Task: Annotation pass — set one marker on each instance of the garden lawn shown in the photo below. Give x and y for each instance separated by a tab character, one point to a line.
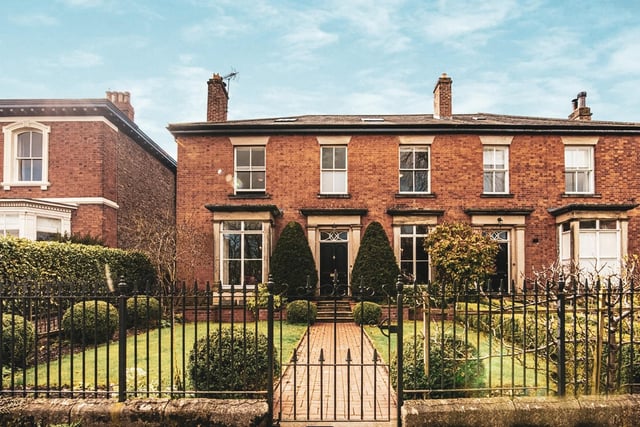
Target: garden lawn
156	360
502	370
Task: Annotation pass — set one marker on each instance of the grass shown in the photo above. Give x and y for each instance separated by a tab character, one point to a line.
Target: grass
502	371
156	360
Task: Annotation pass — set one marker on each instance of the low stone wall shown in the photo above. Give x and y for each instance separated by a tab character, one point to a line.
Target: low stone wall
592	411
19	412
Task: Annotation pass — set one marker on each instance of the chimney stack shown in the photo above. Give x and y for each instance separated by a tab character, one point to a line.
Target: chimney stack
580	109
442	98
122	100
217	99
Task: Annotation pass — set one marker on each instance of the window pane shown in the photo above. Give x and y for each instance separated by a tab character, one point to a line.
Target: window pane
243	157
570	182
421	253
327	182
487	182
406	159
406	181
243	180
487	157
257	157
422	159
406	267
422	182
340	158
233	272
231	246
25	170
406	229
253	225
24	144
588	245
609	244
340	182
499	158
422	272
252	272
582	184
421	229
231	225
406	248
499	182
327	157
253	246
588	225
608	224
257	181
36	170
36	145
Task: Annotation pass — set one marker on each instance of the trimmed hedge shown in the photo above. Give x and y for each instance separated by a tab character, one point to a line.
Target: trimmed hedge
368	313
143	312
301	311
72	268
226	362
90	322
18	338
292	262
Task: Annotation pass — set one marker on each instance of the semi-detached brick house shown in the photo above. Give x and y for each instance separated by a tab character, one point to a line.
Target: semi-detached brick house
81	166
548	190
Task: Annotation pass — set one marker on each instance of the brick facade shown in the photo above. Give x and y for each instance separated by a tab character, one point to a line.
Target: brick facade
101	166
532	210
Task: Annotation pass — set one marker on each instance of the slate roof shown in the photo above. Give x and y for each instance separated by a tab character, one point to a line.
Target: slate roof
86	107
405	123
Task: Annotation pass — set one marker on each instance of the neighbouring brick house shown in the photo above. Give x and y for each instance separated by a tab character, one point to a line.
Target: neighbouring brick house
83	167
548	190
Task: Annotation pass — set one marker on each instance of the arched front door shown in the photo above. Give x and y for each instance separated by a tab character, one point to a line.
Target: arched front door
334	263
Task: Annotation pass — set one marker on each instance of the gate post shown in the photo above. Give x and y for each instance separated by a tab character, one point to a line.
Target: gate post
271	344
400	337
562	377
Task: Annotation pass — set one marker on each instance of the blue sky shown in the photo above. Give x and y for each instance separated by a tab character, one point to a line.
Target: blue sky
528	57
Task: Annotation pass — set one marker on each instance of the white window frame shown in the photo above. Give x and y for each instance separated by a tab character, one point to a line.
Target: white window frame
491	168
579	170
416	239
224	259
413	170
334	172
38	216
572	233
250	169
11	176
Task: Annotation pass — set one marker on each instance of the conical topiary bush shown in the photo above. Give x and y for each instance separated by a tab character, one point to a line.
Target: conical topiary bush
292	261
375	264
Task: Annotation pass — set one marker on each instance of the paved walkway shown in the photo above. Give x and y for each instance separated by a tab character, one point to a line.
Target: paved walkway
334	389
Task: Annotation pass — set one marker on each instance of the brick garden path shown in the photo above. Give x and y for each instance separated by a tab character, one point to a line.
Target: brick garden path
312	391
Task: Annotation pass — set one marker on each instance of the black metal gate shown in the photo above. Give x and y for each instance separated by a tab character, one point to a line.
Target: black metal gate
336	372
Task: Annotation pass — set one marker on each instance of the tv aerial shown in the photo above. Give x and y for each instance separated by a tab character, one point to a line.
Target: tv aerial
230	76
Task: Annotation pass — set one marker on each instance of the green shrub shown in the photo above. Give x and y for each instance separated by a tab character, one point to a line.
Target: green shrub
375	266
368	313
18	338
292	262
90	322
302	311
226	362
143	312
453	365
69	268
260	300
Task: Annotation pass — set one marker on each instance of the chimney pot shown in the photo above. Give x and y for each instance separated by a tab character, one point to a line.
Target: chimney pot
122	100
580	109
442	98
217	99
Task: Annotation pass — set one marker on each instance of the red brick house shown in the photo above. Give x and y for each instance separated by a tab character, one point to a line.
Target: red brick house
548	190
80	166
